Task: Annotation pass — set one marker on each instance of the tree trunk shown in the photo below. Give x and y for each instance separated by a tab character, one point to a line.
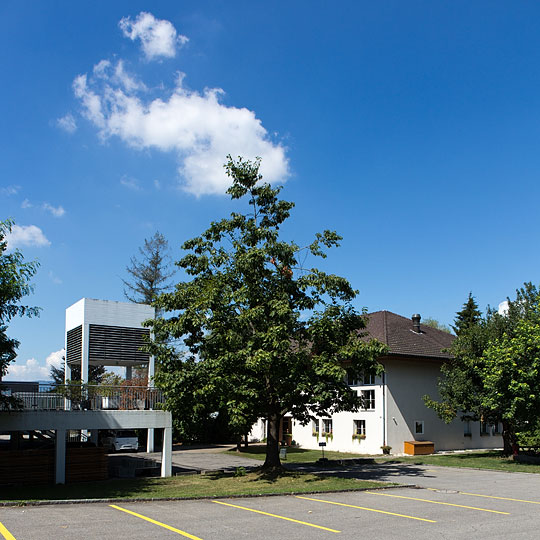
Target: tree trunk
509	439
272	460
246	442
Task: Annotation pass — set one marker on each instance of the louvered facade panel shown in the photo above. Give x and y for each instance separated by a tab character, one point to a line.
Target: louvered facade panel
74	345
116	345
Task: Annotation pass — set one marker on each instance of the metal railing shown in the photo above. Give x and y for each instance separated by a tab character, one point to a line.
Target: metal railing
90	397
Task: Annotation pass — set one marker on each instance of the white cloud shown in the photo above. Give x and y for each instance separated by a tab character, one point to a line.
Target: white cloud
26	204
503	308
26	235
196	126
56	211
130	183
8	191
55	359
32	370
158	37
67	123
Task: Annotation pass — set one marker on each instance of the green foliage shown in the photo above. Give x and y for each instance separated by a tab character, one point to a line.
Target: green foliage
15	276
495	373
469	316
264	336
96	374
434	323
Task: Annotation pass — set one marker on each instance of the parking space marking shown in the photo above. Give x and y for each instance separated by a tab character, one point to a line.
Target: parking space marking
164	525
280	517
438	502
368	509
5	533
500	498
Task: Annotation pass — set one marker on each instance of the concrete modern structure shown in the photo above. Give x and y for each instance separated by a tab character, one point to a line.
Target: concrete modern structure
394	411
108	333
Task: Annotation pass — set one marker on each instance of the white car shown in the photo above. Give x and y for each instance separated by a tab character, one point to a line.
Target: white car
122	439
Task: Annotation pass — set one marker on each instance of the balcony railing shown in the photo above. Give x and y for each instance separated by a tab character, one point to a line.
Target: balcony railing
90	397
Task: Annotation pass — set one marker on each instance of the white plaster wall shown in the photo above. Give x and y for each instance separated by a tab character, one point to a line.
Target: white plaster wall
409	380
343	428
107	312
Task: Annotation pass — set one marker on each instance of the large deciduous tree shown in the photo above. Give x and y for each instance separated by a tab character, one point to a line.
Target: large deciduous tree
150	273
265	336
15	276
495	373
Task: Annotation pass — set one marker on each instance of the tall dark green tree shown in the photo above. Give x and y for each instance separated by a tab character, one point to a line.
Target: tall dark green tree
15	276
265	337
469	316
495	373
95	374
151	272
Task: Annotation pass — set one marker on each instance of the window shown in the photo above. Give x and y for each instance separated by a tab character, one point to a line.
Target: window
467	428
418	427
315	427
327	425
369	378
359	427
496	430
484	428
368	399
352	380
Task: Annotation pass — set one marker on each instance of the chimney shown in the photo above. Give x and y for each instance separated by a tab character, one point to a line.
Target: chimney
416	323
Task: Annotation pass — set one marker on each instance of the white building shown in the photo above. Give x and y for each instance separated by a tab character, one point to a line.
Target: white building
394	411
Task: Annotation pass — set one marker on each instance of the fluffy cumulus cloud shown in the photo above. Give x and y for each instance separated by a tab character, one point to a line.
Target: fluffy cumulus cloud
32	370
196	126
158	37
67	123
26	235
503	308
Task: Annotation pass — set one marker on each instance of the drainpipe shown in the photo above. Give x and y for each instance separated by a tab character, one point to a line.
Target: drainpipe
384	406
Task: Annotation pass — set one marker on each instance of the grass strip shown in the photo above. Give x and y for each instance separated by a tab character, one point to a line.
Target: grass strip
190	486
489	460
294	455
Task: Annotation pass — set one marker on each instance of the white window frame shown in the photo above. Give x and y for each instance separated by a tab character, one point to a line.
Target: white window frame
328	422
359	427
368	403
315	425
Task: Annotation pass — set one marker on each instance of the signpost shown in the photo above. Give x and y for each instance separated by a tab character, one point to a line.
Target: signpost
322	445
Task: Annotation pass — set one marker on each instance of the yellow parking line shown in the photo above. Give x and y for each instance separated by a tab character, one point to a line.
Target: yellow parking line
5	533
437	502
500	498
368	509
164	525
280	517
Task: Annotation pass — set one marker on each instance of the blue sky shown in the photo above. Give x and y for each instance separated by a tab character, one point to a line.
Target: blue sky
411	128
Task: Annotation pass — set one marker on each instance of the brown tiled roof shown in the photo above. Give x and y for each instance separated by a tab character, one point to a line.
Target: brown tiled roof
397	332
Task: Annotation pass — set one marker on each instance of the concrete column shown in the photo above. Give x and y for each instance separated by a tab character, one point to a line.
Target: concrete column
150	440
151	371
166	453
129	373
60	456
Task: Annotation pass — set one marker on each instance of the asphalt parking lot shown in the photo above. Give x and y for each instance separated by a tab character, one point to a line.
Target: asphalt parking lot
452	503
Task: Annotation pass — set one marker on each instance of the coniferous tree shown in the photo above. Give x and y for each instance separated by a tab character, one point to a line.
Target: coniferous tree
150	273
469	316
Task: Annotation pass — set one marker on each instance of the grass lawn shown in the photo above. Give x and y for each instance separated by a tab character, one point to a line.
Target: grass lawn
189	486
480	460
294	455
